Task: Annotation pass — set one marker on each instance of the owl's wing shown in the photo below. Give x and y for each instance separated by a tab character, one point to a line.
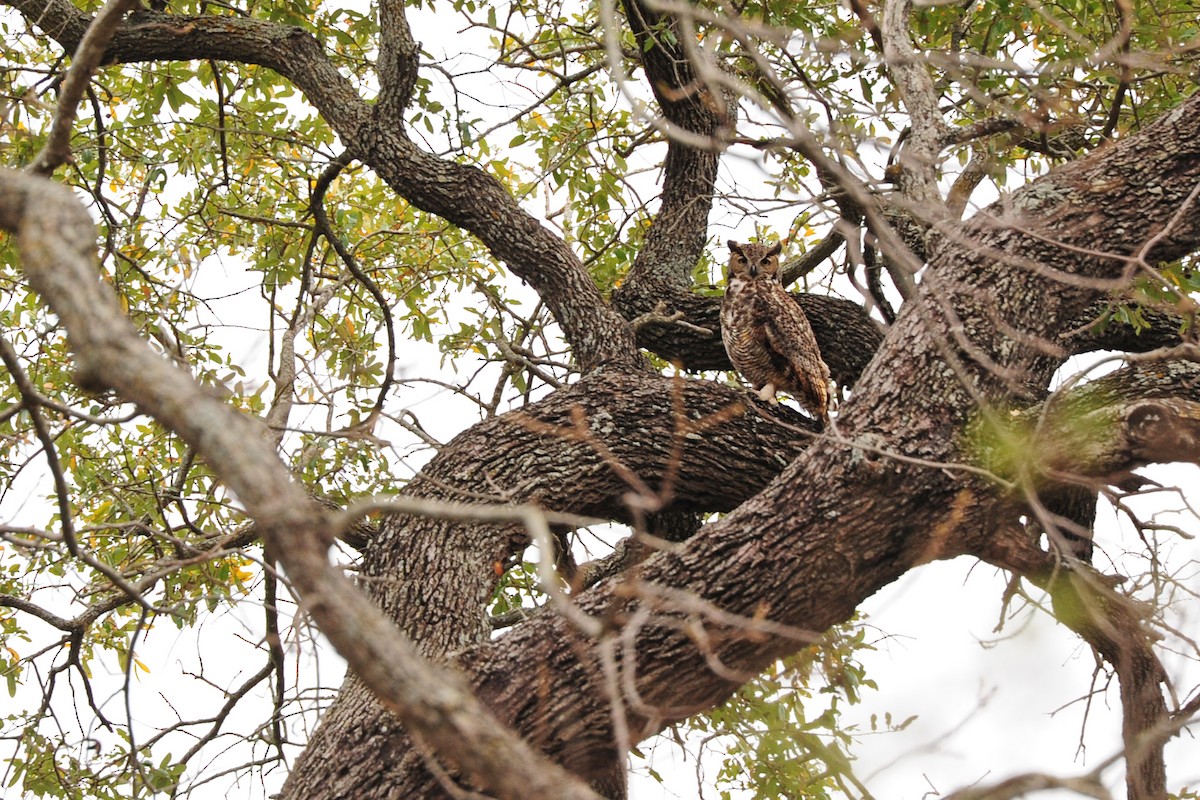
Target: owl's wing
786	331
788	335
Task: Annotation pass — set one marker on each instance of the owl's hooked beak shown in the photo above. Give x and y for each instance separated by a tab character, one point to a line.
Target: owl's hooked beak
753	270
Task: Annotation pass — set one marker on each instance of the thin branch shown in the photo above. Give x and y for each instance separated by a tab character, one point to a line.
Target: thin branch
1086	785
62	491
88	55
796	268
57	242
317	206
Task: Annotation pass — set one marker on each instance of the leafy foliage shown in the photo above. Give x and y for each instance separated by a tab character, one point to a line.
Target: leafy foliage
201	177
773	742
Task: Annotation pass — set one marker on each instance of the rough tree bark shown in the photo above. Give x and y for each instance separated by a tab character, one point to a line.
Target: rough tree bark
817	524
859	508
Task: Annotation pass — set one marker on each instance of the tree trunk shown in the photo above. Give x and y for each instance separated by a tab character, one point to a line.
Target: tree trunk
861	506
816	523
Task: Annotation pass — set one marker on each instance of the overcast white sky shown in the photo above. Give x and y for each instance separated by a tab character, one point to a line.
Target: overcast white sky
988	704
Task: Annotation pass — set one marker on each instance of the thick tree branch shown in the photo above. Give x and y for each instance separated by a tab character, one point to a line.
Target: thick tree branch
880	494
676	239
662	272
840	522
477	202
399	59
613	446
462	194
918	155
661	276
848	338
1097	330
1145	414
855	519
57	245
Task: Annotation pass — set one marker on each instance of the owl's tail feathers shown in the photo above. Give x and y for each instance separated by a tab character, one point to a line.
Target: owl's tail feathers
814	394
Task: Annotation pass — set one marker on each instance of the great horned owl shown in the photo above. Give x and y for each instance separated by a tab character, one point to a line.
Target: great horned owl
766	334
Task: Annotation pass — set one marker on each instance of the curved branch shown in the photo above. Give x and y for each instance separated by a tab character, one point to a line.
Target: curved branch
475	201
461	194
325	229
848	338
57	149
57	244
677	236
842	521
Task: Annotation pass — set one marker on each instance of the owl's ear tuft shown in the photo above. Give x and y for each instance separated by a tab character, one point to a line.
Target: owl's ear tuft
734	247
776	249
